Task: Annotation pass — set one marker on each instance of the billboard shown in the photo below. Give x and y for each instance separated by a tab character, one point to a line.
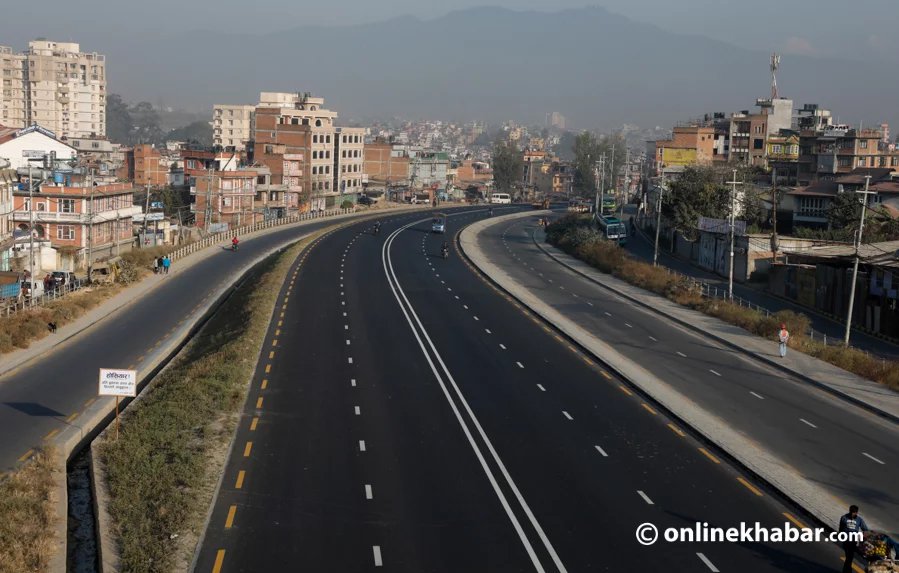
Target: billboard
678	156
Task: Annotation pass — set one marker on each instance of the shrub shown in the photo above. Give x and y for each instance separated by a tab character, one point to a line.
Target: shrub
347	204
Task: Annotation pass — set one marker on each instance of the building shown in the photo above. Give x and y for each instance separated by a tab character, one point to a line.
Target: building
81	222
19	145
555	120
688	145
233	126
349	159
148	165
385	163
749	132
57	86
811	204
9	182
428	169
225	199
107	160
282	148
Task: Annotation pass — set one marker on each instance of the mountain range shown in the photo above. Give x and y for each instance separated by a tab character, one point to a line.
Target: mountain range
597	68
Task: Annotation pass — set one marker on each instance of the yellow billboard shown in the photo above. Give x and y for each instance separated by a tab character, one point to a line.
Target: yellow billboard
678	156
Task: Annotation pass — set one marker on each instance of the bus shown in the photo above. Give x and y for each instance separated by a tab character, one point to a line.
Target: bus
613	229
609	204
501	198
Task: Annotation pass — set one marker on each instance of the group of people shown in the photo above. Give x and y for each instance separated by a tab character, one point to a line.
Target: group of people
161	265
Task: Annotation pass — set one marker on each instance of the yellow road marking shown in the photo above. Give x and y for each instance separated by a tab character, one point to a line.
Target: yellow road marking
587	361
795	521
229	521
284	306
626	391
259	402
677	430
647	408
253	424
268	368
51	434
240	476
219	559
131	366
275	342
557	337
89	402
141	357
264	383
247	449
278	330
706	453
282	315
26	455
605	374
280	322
749	486
271	355
572	348
72	417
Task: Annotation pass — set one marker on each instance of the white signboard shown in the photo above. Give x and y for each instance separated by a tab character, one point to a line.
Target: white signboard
33	153
118	382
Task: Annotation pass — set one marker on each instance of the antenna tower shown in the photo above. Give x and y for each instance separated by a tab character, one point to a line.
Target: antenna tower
775	64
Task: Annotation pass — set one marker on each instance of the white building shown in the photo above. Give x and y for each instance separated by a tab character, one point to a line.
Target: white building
233	125
349	163
18	145
55	85
8	183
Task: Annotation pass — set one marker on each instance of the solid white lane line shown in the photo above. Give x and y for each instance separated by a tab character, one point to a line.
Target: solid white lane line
681	354
601	451
357	411
361	445
807	423
567	415
708	563
870	457
645	497
503	346
368	492
520	365
714	372
759	396
542	389
376	549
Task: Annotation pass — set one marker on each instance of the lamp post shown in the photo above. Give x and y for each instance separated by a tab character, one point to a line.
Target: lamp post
661	188
733	213
858	244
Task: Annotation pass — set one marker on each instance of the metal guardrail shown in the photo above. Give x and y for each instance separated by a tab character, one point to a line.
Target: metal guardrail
47	297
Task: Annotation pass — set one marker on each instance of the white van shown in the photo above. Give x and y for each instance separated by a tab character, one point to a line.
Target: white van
501	198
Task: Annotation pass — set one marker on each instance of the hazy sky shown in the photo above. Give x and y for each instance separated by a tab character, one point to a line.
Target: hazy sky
852	29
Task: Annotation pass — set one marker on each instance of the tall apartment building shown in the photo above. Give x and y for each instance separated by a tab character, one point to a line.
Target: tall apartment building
349	159
56	86
281	147
749	131
233	125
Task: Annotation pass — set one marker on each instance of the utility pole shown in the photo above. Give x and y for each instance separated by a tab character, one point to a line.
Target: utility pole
90	227
30	234
655	255
602	183
774	211
208	211
858	244
147	212
627	182
733	213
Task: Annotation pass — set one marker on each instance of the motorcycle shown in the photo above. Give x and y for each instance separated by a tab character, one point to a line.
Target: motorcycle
445	252
233	247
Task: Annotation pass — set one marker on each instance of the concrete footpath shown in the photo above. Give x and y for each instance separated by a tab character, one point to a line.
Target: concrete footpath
777	472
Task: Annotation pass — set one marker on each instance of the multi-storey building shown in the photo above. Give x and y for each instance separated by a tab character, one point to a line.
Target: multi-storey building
282	148
689	145
349	159
749	131
386	163
225	198
8	183
57	86
148	165
233	126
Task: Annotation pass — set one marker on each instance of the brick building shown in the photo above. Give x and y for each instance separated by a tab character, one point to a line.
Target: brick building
227	198
385	163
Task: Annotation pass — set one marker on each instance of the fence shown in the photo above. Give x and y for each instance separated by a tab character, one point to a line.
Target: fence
10	308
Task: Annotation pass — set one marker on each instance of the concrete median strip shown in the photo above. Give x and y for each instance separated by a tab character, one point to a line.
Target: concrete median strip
758	461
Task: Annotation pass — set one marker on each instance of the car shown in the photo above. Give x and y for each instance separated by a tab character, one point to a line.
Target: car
65	279
365	200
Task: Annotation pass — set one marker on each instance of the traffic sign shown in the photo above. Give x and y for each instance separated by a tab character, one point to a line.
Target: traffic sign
118	382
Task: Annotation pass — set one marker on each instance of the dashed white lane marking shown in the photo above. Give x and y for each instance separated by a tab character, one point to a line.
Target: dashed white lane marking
487	330
344	314
356	410
503	346
607	313
714	372
346	326
870	457
465	306
361	445
476	318
520	365
645	497
350	360
681	354
368	492
628	325
759	396
601	451
457	297
353	382
567	415
376	549
590	303
653	338
542	389
708	563
807	423
348	342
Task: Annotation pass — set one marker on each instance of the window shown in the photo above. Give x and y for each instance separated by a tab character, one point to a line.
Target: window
863	144
65	232
758	143
315	155
67	206
318	123
861	161
777	149
314	138
327	139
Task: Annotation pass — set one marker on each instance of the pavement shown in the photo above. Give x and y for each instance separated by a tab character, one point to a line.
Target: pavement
817	447
415	418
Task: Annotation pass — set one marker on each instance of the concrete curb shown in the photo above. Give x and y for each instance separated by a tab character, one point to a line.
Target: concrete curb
775	472
560	257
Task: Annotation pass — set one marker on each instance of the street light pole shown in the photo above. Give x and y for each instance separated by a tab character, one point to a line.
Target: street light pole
655	254
733	213
858	244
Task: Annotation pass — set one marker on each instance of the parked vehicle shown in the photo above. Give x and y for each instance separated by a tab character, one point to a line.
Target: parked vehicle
613	229
10	285
501	198
65	279
365	200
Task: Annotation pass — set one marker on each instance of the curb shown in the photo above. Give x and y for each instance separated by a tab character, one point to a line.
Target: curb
752	458
873	408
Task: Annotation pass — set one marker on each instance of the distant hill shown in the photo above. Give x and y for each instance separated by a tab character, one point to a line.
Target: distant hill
599	69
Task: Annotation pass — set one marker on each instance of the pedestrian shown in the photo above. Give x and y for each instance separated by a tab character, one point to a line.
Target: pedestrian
166	263
783	336
851	523
155	265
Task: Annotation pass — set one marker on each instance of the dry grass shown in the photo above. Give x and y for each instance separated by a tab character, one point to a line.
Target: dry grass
576	236
159	470
27	516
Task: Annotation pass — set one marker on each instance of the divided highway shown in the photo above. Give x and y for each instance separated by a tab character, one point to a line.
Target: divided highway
406	416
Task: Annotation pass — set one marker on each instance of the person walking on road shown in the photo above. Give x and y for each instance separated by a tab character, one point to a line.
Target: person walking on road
155	265
166	263
851	523
783	337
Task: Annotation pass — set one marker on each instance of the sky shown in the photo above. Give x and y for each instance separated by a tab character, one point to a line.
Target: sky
857	29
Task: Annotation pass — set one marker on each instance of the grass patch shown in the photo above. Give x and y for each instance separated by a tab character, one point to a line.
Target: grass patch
173	443
577	236
27	515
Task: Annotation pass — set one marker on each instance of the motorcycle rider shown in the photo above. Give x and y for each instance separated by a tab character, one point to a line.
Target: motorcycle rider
234	243
444	250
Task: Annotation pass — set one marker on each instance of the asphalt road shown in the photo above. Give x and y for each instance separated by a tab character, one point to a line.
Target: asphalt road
413	419
849	451
45	396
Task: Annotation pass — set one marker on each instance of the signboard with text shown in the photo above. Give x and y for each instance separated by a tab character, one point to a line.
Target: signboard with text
118	382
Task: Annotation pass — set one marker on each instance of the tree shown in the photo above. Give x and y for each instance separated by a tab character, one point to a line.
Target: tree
844	213
698	192
507	165
586	153
199	132
145	120
118	120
